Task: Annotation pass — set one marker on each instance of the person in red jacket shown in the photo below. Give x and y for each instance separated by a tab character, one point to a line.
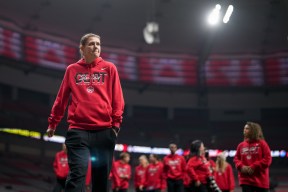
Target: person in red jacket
198	168
224	174
93	90
186	179
61	169
121	173
253	159
155	180
174	170
140	173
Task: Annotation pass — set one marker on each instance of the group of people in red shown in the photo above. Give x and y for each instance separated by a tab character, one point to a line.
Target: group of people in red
193	172
92	91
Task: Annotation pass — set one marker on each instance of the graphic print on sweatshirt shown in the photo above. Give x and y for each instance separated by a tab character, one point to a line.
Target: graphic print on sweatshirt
98	78
174	163
121	171
250	150
140	172
152	170
64	161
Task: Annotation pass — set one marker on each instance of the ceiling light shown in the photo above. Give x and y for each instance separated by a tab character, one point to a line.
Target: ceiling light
151	33
228	14
213	18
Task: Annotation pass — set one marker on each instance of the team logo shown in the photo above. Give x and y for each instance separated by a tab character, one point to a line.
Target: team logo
90	89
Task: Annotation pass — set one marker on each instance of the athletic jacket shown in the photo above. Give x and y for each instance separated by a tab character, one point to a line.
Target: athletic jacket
257	155
96	96
186	180
60	165
155	177
198	169
174	166
225	180
139	176
119	170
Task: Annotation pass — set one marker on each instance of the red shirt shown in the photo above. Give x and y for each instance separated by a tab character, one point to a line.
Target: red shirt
186	179
174	166
119	170
198	169
139	177
96	96
155	177
212	165
60	165
257	155
225	180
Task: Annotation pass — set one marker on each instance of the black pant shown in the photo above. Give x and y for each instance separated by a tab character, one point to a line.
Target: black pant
138	190
187	189
120	190
201	188
82	144
60	185
174	185
154	190
249	188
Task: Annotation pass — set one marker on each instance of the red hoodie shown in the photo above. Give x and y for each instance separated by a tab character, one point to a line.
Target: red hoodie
139	177
96	96
119	170
60	165
225	180
155	177
257	155
198	169
174	166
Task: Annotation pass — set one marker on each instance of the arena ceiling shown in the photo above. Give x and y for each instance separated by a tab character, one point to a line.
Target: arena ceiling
256	26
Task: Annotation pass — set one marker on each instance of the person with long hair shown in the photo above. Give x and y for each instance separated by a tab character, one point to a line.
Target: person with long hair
154	180
198	168
224	174
140	173
253	159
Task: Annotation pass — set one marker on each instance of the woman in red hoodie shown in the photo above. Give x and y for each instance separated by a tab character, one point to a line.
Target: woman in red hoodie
121	173
140	173
224	174
198	168
61	169
253	159
155	179
93	90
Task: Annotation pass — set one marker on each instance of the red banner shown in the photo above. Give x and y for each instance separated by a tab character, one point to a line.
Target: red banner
126	65
10	44
48	54
167	71
155	68
276	70
245	72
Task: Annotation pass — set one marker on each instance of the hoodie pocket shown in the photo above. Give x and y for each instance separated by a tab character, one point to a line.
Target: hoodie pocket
92	113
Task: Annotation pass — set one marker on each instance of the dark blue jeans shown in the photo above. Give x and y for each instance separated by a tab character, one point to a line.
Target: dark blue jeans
81	145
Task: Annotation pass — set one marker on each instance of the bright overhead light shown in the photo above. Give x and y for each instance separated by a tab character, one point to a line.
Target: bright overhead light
228	14
151	33
213	17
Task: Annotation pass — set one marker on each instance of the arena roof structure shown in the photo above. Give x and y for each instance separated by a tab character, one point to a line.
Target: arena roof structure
256	26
